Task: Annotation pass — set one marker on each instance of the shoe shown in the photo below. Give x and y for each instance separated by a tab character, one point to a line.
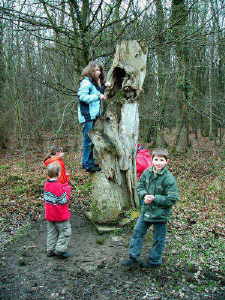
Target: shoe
63	255
93	169
130	262
149	265
50	253
93	165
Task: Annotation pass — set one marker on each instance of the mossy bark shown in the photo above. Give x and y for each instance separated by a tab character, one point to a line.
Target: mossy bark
116	134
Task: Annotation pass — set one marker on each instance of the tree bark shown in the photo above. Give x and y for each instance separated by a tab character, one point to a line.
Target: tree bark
116	134
179	19
3	122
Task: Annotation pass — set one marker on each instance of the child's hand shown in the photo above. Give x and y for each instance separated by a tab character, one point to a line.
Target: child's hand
107	84
148	199
102	97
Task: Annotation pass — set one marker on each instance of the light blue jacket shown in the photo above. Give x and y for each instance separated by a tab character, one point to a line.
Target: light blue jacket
89	101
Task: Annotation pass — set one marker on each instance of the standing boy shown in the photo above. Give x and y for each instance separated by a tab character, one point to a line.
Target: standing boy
57	213
157	191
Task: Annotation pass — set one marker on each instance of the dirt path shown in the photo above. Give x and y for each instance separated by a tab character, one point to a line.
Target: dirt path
93	273
26	272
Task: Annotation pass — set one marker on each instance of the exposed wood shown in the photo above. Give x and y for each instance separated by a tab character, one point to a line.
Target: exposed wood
116	134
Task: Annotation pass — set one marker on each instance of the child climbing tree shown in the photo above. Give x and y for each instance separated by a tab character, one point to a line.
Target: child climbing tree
116	134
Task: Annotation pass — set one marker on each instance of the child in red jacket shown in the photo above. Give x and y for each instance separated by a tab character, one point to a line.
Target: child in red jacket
56	156
57	213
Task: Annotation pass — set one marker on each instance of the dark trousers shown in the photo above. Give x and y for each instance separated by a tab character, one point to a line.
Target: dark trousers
87	155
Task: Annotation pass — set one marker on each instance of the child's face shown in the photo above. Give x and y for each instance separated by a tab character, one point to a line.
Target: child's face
159	162
61	154
97	72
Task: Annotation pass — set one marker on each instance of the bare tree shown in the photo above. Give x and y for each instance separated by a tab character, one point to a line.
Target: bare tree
116	135
47	43
179	19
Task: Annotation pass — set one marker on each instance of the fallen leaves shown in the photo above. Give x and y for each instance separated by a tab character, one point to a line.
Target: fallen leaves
196	232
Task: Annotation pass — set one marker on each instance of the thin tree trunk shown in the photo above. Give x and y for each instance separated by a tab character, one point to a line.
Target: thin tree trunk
179	18
162	64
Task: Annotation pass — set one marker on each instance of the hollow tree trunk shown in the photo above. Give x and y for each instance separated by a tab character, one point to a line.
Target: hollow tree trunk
116	134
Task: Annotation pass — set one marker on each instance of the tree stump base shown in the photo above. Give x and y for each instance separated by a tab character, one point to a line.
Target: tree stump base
115	136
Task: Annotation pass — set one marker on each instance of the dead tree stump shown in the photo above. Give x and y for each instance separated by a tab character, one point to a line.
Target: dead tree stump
116	134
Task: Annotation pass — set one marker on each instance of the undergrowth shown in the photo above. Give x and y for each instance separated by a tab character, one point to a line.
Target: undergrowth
195	248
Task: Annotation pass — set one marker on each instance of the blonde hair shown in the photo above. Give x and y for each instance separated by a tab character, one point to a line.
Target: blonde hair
53	170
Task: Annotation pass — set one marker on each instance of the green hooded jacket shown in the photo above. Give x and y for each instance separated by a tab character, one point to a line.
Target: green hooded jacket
164	187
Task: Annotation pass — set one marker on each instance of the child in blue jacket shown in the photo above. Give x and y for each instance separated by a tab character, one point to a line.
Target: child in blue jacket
90	93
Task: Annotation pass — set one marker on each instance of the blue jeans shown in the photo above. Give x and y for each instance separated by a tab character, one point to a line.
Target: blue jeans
87	155
159	237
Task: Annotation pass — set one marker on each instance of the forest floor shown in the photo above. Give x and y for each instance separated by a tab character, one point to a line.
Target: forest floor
194	265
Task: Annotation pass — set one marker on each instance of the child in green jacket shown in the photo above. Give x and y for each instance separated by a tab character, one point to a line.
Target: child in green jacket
157	191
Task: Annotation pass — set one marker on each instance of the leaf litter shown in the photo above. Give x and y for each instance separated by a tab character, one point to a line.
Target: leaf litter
194	252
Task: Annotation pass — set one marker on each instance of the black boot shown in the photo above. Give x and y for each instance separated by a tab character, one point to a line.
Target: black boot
148	265
63	255
130	262
93	169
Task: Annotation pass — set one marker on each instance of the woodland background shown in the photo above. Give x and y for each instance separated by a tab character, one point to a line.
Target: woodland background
45	44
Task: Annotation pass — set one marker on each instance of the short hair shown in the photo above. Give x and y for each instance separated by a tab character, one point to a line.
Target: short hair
160	152
52	151
53	170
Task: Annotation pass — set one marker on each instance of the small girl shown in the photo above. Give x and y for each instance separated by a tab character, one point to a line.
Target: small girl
91	95
56	156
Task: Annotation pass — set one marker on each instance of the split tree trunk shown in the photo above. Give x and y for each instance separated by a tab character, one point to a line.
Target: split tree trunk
116	134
